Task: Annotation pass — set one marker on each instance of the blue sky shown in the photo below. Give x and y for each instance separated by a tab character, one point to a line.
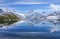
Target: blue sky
26	5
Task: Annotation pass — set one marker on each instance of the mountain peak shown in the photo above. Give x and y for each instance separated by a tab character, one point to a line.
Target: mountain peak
1	10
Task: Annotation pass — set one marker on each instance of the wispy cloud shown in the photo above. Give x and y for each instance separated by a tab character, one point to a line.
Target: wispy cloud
55	7
2	3
29	2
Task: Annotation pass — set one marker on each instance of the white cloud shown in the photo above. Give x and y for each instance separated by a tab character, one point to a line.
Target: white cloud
2	3
29	2
22	2
55	7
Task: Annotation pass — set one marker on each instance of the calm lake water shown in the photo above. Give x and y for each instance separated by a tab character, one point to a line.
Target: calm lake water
29	32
